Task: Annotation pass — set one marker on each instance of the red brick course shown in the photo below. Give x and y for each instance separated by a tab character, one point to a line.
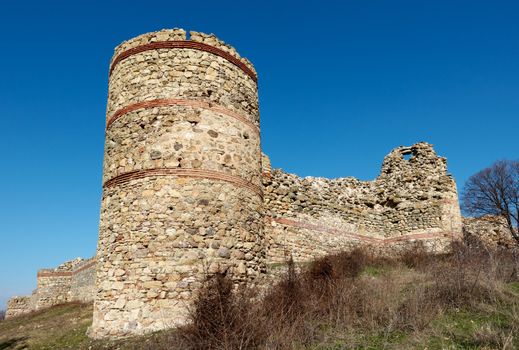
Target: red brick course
52	273
184	45
356	236
191	173
181	102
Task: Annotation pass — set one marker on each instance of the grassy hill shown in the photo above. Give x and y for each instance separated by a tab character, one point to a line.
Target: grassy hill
59	327
62	327
466	300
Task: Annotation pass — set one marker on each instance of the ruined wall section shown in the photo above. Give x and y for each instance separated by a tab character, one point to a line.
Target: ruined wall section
53	288
82	285
412	199
69	282
18	306
491	230
414	181
182	191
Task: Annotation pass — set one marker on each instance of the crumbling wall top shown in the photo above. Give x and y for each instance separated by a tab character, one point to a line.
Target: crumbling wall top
419	157
178	35
175	34
70	266
412	180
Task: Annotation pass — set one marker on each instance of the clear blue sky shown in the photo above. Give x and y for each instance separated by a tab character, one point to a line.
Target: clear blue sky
341	84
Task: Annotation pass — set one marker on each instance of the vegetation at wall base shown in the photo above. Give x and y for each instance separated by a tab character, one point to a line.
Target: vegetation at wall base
468	299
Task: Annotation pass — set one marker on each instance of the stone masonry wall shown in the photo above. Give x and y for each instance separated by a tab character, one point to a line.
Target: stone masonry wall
82	287
71	281
182	189
492	230
18	306
52	289
413	199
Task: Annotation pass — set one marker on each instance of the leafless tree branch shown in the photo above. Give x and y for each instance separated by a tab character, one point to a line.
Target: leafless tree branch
495	191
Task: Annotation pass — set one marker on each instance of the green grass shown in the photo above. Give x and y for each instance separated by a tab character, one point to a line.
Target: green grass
59	327
490	328
514	288
62	327
375	271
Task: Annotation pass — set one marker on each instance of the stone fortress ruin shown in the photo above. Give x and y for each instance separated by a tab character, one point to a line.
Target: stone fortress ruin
187	192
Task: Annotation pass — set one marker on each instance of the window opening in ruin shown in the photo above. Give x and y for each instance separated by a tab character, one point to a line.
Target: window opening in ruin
407	154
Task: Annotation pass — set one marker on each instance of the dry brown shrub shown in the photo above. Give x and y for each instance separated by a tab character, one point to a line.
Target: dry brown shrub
222	318
333	294
417	310
415	256
466	276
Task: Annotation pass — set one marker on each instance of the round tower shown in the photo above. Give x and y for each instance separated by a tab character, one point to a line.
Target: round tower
182	192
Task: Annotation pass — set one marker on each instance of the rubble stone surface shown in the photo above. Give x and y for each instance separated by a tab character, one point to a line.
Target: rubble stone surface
491	230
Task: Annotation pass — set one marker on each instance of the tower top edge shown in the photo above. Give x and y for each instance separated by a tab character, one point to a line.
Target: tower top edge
179	34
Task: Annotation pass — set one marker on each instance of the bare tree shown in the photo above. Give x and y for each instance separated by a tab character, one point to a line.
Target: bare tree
2	315
495	191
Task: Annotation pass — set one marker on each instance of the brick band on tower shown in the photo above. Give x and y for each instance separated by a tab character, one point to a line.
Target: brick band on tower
184	45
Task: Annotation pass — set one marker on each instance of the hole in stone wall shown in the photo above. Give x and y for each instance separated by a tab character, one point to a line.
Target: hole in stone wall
390	203
142	126
407	153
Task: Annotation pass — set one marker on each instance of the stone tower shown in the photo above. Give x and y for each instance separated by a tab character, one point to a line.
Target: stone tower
182	192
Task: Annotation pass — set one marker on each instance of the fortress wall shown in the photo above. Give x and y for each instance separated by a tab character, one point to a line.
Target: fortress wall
53	288
82	284
18	306
182	179
71	281
492	230
411	200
